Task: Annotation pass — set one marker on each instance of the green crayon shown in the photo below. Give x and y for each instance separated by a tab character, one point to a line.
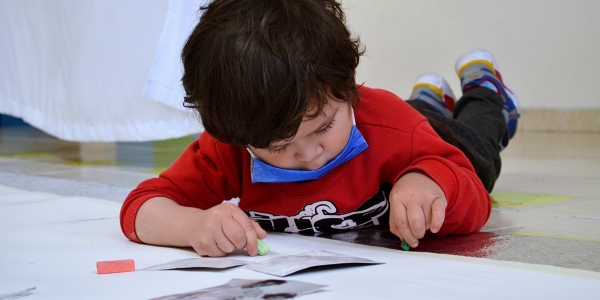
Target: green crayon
404	245
263	249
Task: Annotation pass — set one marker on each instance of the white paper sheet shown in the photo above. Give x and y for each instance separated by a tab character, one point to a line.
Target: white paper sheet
55	250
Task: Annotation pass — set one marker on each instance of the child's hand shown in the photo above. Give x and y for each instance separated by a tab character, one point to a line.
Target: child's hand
222	229
417	204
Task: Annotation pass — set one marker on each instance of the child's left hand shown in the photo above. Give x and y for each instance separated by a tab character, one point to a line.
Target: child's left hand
417	204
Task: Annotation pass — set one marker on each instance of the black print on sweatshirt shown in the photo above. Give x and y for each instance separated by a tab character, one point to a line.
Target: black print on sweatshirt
321	216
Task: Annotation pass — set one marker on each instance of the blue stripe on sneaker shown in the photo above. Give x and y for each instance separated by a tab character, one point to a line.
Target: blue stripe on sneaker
438	106
489	85
507	99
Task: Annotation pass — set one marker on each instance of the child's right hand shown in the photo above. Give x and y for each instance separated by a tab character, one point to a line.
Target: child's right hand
222	229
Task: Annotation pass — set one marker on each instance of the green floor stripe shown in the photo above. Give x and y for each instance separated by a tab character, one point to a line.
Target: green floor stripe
514	199
167	151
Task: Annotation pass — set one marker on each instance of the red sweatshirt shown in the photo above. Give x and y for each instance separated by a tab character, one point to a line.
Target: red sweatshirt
351	196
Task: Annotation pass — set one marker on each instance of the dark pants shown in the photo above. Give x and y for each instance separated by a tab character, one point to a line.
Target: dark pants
477	128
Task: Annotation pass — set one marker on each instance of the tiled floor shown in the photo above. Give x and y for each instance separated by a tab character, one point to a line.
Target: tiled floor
547	198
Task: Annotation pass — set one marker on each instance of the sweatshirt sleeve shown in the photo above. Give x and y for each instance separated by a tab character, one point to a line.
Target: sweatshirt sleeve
469	204
196	179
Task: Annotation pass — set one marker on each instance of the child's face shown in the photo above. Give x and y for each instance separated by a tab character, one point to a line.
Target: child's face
317	141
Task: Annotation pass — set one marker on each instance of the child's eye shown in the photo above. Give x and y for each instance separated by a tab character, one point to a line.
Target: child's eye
326	128
277	150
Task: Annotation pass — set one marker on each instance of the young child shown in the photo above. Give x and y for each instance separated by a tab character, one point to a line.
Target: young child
306	149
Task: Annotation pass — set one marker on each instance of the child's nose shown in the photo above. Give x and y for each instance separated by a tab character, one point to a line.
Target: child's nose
308	153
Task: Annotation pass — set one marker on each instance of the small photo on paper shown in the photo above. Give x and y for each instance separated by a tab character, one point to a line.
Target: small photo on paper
285	265
200	262
250	289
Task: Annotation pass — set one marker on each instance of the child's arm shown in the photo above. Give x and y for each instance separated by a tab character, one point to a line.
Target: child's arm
183	205
417	204
441	180
213	232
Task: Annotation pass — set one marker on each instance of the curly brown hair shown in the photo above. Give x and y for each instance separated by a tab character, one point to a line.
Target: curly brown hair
253	69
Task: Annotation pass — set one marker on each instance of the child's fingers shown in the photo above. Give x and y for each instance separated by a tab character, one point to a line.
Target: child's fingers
438	214
223	241
234	232
212	251
208	247
261	233
251	239
416	220
402	226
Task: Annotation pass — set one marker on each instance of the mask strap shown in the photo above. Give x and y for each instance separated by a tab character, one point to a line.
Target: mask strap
251	153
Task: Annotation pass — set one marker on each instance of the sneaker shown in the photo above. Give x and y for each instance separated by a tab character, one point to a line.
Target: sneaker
435	91
479	68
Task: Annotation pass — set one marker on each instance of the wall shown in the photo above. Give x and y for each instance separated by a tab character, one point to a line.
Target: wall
547	50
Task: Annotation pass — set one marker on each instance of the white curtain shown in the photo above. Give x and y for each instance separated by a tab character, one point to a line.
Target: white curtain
97	70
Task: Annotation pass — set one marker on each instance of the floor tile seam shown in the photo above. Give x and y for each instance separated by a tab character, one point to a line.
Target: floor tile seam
148	147
15	177
543	175
553	156
588	218
505	231
135	149
7	159
25	172
505	228
30	139
64	168
570	196
526	233
17	160
82	181
521	225
36	162
534	208
558	200
564	217
520	211
13	160
116	169
58	164
117	145
99	170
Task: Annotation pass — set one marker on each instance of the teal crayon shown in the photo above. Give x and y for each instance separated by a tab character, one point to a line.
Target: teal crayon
404	245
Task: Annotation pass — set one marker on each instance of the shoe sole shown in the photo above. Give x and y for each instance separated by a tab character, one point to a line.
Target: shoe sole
486	58
439	85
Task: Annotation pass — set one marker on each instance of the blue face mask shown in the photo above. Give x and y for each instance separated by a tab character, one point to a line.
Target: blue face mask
263	172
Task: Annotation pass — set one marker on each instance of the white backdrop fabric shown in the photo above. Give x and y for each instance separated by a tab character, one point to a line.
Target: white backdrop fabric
164	81
96	70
